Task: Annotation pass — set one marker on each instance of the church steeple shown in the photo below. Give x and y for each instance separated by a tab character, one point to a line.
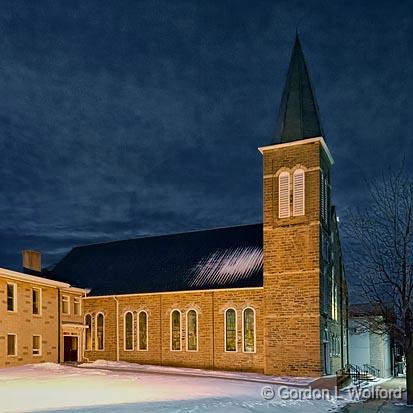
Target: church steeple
298	114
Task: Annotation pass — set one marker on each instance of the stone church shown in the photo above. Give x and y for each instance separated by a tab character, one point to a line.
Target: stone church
270	297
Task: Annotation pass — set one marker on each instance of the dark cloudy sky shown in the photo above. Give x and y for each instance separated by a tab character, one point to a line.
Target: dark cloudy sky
123	118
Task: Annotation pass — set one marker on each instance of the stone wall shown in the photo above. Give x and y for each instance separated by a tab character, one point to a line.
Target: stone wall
25	324
292	265
210	307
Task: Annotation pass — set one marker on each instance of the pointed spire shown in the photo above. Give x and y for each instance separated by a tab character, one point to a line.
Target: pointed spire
298	115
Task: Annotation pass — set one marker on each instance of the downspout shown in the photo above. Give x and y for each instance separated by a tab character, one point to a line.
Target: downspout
84	330
117	328
59	328
213	331
160	328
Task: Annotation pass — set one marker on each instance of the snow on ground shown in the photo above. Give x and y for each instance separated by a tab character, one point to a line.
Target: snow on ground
56	388
260	378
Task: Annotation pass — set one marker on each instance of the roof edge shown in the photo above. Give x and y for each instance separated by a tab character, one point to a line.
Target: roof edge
165	235
19	276
320	139
174	292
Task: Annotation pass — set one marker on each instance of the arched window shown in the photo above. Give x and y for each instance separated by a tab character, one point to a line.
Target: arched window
192	330
100	331
128	331
248	316
88	332
230	330
176	330
143	331
284	195
298	192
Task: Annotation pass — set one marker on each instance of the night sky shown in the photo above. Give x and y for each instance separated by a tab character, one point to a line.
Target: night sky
124	118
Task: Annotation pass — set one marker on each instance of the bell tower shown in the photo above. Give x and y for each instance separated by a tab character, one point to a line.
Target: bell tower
296	176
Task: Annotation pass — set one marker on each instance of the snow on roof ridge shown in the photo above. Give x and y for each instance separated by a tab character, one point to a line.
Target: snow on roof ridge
227	265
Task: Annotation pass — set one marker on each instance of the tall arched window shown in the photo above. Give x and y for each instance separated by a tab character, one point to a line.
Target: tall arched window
100	331
192	330
176	330
88	332
143	331
230	330
128	331
298	192
248	316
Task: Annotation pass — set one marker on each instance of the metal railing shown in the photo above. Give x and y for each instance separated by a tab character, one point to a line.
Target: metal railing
372	370
365	373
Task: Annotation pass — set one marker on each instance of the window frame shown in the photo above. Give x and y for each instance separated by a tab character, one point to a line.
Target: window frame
40	301
68	304
280	176
103	332
243	330
90	332
138	335
14	285
40	345
15	345
295	174
187	330
225	330
124	331
77	300
171	330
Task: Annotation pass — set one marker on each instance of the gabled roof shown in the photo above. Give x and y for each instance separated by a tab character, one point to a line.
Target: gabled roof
298	116
211	259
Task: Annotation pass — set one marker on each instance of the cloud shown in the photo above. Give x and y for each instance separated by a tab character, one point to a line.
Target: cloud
144	117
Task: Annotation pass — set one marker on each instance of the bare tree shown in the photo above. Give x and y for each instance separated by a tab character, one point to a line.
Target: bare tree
380	250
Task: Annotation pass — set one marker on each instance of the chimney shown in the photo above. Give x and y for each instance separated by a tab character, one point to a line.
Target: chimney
32	262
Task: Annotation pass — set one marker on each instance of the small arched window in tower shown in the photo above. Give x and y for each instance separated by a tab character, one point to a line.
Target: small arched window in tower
284	195
192	330
176	330
128	329
298	192
249	330
230	330
88	332
100	331
143	331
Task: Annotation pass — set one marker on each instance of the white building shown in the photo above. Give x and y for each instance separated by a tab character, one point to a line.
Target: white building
367	347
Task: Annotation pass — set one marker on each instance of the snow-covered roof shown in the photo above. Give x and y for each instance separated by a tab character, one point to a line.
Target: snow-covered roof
211	259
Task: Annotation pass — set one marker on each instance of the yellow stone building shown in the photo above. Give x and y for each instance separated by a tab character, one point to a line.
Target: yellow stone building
268	297
41	320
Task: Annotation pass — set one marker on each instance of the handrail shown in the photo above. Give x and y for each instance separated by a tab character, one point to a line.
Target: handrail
358	374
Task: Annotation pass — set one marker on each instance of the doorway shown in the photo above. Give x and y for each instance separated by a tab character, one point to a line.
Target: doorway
71	346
